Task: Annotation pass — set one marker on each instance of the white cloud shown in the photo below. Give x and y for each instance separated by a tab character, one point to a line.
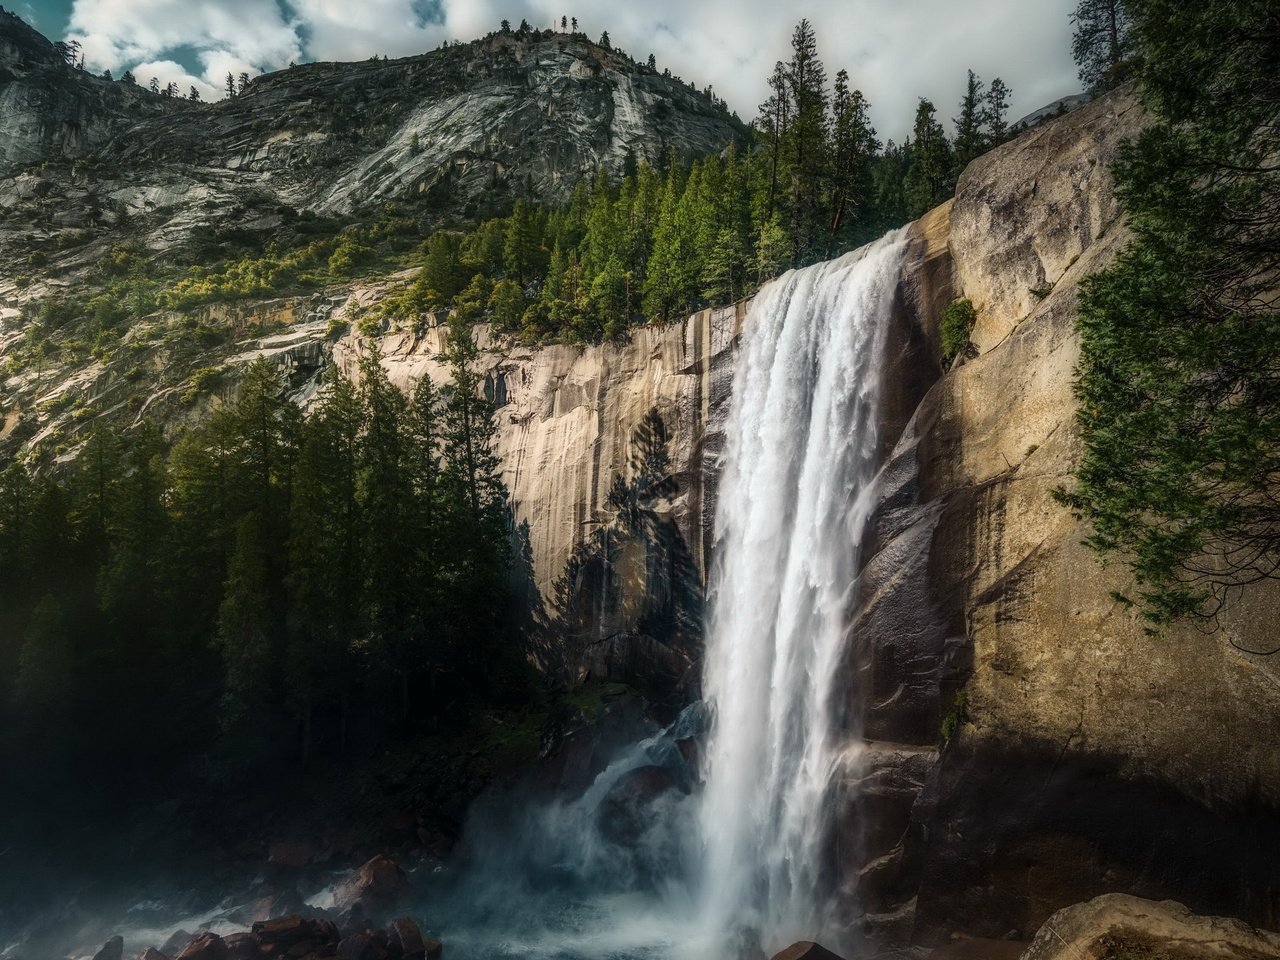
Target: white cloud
894	50
168	71
145	34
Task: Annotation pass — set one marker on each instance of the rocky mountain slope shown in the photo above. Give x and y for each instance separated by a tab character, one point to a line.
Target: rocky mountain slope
467	127
49	110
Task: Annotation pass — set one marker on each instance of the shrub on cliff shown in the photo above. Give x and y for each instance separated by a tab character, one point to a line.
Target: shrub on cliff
957	324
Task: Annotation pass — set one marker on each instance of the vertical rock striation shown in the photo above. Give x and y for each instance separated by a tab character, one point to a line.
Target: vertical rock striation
1080	754
609	453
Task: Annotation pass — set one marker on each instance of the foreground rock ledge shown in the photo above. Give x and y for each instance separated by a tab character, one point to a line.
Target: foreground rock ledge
1117	924
806	950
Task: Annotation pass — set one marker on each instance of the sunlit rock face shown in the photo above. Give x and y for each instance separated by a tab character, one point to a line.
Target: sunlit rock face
467	129
1082	754
610	455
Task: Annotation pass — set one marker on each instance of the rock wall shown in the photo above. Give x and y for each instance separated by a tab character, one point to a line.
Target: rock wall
1082	754
609	453
48	108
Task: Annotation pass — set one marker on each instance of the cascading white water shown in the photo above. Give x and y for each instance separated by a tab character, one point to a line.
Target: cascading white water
794	497
691	876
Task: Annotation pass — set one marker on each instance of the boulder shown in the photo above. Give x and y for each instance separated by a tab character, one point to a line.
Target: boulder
113	949
377	886
432	949
806	950
207	946
406	933
624	812
1117	924
242	946
177	940
353	920
280	903
290	934
151	953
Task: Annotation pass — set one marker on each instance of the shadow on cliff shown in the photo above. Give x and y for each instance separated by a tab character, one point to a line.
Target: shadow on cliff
628	605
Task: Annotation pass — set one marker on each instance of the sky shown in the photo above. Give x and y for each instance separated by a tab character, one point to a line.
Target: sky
896	51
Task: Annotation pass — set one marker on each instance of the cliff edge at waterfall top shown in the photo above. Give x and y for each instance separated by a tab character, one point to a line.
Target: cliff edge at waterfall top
653	484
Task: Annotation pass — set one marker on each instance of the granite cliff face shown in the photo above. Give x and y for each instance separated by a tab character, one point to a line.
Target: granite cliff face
49	110
1082	754
609	453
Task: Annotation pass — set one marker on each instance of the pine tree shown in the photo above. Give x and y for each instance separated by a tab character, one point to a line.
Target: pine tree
522	252
246	626
1101	42
481	538
386	498
662	283
507	305
806	77
325	556
774	123
1179	408
970	138
443	274
996	111
853	148
772	250
131	582
230	85
928	179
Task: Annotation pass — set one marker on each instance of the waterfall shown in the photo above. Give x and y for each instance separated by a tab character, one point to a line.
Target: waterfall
643	863
800	456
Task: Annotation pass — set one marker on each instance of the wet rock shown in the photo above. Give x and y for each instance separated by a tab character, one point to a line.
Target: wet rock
279	904
406	933
176	942
806	950
353	920
207	946
624	813
377	886
113	949
151	953
242	946
1119	925
294	935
